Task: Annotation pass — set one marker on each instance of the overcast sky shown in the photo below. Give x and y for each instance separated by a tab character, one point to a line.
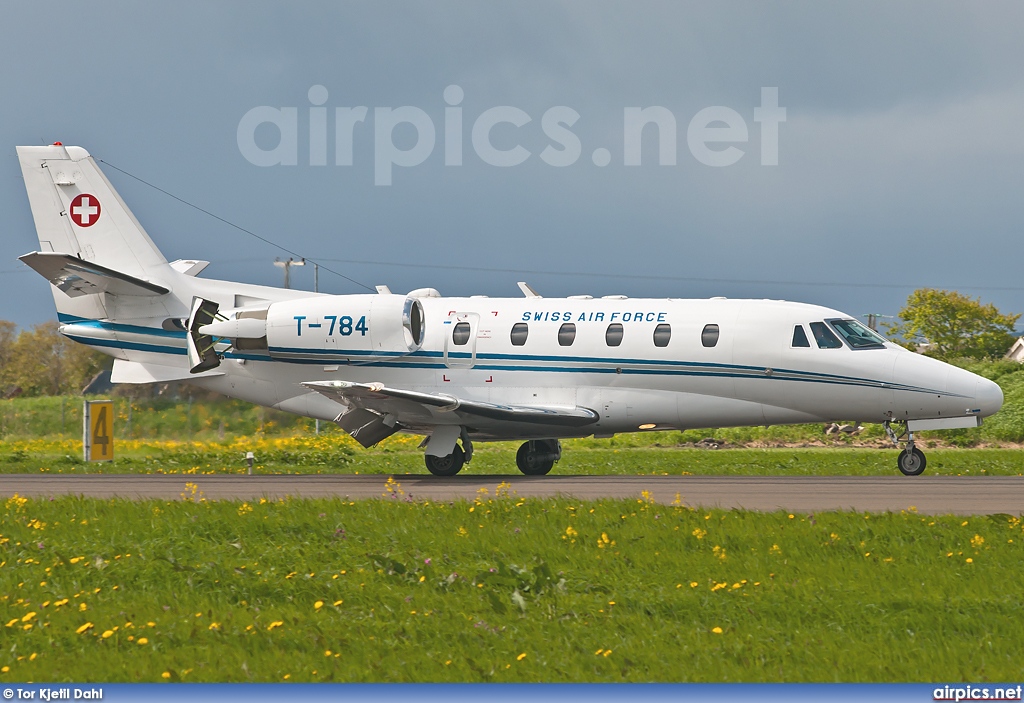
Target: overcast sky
899	163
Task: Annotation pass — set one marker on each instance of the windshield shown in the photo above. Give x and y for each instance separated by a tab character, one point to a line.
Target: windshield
857	335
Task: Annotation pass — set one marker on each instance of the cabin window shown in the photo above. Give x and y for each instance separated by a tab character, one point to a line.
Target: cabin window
520	331
567	334
662	335
800	337
857	335
460	335
823	336
709	336
613	335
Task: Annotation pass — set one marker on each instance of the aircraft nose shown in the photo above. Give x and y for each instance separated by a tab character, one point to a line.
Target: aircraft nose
989	397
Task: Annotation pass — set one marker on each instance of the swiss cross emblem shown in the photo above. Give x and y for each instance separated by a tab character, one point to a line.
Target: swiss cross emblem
85	210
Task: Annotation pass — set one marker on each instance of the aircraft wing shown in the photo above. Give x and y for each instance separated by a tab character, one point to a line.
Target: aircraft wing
78	277
375	409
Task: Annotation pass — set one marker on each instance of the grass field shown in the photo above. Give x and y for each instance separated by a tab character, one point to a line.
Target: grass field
501	589
336	453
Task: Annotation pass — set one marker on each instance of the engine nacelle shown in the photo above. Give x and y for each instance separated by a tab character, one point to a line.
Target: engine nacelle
344	328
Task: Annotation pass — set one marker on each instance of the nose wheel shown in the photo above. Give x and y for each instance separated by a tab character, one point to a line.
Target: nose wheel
911	461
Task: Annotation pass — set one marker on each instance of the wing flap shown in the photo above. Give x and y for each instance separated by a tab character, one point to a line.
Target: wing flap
77	277
374	396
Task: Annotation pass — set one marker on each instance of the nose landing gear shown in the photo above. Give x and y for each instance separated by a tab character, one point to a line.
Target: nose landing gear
911	461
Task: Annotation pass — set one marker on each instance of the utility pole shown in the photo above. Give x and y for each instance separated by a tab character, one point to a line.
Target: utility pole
316	289
287	266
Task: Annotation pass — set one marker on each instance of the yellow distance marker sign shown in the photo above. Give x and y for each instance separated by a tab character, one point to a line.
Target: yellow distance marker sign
98	430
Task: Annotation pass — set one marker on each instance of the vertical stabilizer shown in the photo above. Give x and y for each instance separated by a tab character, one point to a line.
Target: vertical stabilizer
78	212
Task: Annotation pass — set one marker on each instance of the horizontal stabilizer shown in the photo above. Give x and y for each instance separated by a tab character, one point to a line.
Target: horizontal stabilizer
77	277
365	394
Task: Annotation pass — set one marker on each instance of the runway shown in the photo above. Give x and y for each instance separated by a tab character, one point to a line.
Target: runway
962	495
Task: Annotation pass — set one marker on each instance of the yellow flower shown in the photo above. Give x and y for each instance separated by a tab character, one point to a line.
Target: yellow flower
521	657
28	616
82	606
718	630
108	633
693	584
4	669
327	653
214	626
83	628
166	675
143	640
969	560
607	652
319	604
276	623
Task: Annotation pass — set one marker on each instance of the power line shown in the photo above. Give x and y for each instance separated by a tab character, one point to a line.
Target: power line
689	279
231	224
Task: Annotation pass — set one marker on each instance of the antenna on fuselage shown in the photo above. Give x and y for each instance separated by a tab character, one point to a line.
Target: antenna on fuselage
527	291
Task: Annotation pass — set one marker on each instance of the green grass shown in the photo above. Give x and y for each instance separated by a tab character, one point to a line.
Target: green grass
501	590
337	454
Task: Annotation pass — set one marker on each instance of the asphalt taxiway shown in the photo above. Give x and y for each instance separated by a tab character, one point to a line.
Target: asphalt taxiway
963	495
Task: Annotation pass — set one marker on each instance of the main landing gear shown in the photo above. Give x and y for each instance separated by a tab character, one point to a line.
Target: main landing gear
911	461
534	458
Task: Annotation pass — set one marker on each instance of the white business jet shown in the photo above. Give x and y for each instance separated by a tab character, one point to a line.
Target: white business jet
465	370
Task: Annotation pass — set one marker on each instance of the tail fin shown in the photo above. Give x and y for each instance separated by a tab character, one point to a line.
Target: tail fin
77	212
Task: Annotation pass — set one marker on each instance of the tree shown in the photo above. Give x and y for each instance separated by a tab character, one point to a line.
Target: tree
44	362
954	325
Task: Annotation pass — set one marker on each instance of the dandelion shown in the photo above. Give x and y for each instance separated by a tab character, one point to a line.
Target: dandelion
166	675
977	541
718	630
276	623
327	653
521	657
969	560
4	669
108	633
598	652
693	584
28	617
83	628
82	606
607	653
214	626
319	604
142	640
699	533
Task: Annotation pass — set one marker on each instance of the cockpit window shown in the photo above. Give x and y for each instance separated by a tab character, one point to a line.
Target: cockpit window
824	336
800	337
857	335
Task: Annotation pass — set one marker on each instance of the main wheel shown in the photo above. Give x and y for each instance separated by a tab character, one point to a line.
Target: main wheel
535	458
911	462
446	465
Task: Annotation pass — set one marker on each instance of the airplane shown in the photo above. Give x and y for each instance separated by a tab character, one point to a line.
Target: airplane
472	369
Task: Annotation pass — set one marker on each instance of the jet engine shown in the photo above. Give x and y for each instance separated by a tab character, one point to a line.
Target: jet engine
324	329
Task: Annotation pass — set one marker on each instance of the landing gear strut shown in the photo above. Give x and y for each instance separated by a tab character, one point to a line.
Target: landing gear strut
536	457
911	461
452	463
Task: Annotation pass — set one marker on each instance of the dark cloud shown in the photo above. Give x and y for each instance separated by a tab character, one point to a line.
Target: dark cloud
899	164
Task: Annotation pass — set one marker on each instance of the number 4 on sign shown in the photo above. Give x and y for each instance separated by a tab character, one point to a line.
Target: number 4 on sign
98	430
